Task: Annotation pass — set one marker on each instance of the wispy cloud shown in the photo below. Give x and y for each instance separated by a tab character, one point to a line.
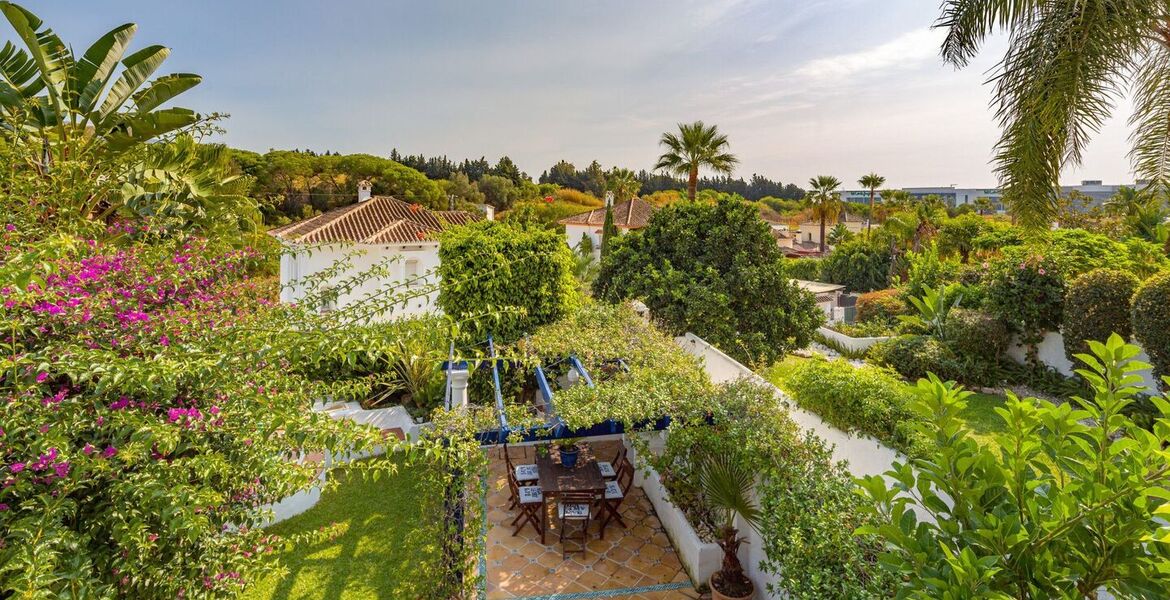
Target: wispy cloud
906	51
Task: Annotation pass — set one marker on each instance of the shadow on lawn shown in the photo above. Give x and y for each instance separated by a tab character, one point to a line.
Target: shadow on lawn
379	548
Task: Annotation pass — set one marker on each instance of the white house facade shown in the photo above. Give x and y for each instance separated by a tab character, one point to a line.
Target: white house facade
378	232
627	216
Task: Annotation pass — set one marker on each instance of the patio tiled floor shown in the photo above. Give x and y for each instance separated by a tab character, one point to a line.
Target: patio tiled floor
638	562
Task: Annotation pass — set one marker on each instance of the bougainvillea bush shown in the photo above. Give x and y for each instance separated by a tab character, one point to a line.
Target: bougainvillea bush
150	406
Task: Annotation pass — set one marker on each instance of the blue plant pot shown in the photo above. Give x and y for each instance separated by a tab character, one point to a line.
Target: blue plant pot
569	457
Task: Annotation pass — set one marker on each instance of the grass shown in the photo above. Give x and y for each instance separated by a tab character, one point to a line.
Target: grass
376	551
980	414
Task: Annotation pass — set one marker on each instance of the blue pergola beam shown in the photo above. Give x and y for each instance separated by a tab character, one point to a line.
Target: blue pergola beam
581	369
545	390
496	382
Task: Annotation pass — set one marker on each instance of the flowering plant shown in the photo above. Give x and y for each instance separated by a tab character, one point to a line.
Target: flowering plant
153	402
1027	293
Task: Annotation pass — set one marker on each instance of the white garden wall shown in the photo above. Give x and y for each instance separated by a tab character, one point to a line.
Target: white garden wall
1051	353
865	455
852	344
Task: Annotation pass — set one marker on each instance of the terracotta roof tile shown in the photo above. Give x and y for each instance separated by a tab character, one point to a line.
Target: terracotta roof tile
631	214
379	220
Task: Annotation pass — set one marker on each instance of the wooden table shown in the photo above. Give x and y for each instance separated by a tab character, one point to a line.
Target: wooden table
556	480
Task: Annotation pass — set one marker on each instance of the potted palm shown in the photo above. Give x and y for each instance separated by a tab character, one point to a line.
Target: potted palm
726	486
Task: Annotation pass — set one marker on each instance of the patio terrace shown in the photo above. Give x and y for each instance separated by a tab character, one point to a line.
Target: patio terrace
638	562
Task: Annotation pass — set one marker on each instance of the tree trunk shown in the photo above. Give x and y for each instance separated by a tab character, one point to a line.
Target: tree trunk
822	233
693	182
869	221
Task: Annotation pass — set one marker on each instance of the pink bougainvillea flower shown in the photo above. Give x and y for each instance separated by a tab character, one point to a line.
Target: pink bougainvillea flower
62	469
164	340
42	376
16	467
1041	271
109	452
88	449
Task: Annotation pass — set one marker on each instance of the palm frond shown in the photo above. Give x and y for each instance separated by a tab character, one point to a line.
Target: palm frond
1150	122
727	486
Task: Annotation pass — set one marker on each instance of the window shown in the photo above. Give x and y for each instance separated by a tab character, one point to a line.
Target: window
411	271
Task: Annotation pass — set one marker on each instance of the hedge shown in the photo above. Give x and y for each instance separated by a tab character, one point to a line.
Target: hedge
865	399
913	356
527	272
1151	321
1097	304
882	305
858	265
977	334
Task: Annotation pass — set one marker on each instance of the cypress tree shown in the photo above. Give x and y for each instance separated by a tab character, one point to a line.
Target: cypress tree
608	231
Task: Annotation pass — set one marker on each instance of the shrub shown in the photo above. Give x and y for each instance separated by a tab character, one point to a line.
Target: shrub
527	273
977	334
913	356
858	265
1151	321
926	270
1028	294
809	508
808	269
1095	305
579	198
868	399
883	306
958	235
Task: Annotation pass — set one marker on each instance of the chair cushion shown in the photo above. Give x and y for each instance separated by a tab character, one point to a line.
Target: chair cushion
572	511
531	493
606	469
613	491
527	473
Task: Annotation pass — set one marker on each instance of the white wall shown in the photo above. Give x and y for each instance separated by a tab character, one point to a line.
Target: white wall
574	233
308	261
1051	352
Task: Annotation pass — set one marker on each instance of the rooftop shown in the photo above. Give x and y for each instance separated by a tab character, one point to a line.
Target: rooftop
379	220
631	214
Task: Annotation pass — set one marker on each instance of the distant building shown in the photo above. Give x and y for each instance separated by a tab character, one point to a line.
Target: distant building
956	196
627	216
382	227
810	231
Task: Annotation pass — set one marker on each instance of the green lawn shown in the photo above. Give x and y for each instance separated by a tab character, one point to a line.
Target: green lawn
376	552
979	414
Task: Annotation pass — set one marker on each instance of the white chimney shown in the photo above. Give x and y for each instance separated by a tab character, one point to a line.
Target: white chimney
364	189
489	211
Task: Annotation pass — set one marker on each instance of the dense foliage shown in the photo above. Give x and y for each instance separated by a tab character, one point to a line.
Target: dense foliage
864	399
715	270
1027	515
859	265
1151	321
882	306
808	509
1097	304
526	272
1028	295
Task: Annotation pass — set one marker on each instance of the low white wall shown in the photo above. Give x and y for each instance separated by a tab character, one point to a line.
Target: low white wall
853	344
865	455
699	558
1050	351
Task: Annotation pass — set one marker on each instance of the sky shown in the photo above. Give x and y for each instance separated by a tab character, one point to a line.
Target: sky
801	87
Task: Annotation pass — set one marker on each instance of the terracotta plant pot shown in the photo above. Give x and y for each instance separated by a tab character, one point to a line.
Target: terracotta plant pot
717	595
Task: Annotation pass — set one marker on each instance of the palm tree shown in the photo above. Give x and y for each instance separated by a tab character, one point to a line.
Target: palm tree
623	183
1064	68
696	145
1126	202
823	200
871	182
726	487
983	205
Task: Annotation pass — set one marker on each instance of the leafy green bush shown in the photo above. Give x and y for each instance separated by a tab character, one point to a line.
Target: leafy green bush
808	269
913	356
882	306
1028	295
809	508
1151	321
528	273
1097	304
926	269
977	334
858	265
956	236
867	399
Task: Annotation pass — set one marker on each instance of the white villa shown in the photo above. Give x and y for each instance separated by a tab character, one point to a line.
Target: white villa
810	231
627	216
380	227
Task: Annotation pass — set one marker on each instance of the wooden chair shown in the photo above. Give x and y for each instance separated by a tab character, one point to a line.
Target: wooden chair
615	493
609	468
525	474
530	500
574	508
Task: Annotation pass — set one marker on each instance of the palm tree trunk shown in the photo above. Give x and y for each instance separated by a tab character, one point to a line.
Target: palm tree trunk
693	182
869	221
822	233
